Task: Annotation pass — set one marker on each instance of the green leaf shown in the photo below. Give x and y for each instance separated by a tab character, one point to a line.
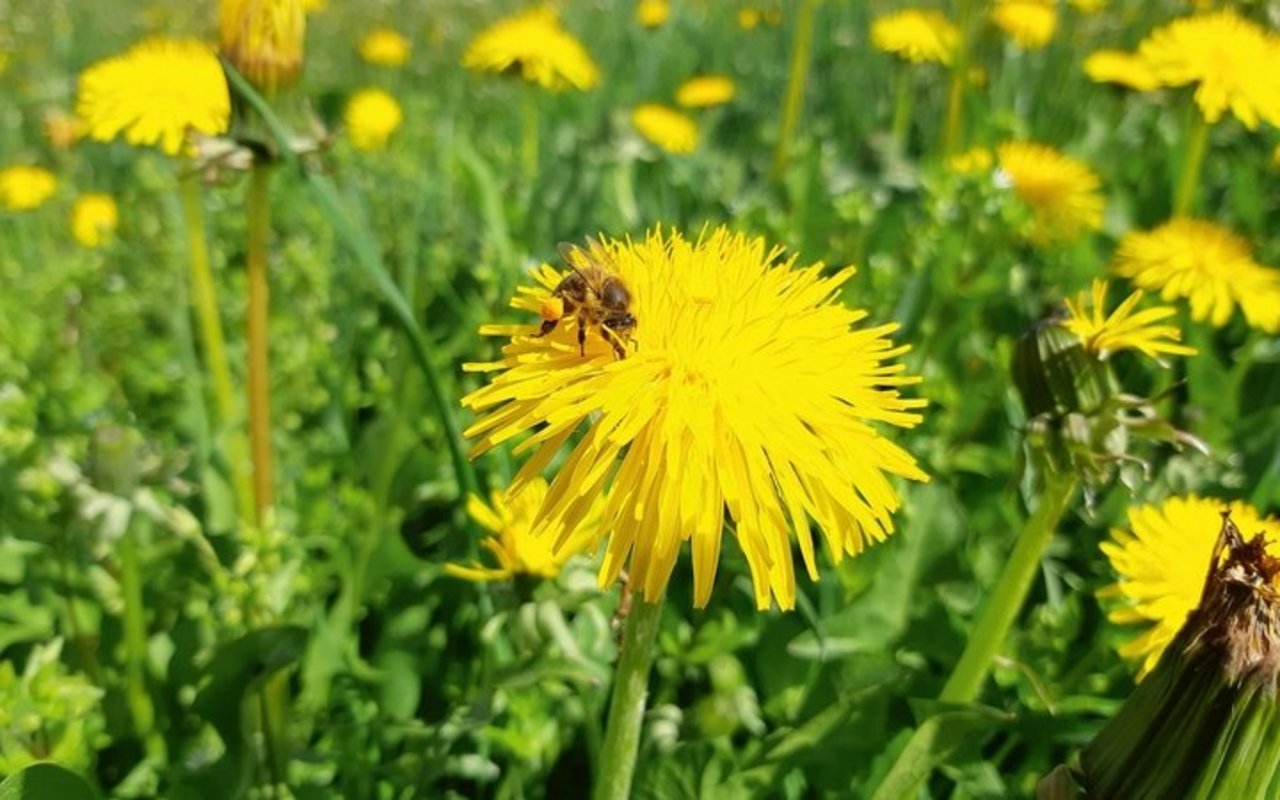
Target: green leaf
46	782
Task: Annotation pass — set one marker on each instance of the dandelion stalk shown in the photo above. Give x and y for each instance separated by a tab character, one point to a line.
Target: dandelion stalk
256	331
918	758
1192	164
135	640
627	705
801	55
902	106
530	122
213	344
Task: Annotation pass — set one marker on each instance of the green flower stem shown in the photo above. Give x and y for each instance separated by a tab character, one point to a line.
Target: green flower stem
135	640
626	708
530	134
801	55
256	331
955	112
1192	163
213	344
917	759
902	103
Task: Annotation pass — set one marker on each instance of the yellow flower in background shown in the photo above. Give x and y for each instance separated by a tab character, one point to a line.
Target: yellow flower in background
747	389
372	116
917	36
24	188
512	519
314	6
1029	23
263	39
749	18
665	127
653	13
706	91
1231	60
1208	265
1061	191
61	129
973	161
1130	70
94	218
534	46
1162	562
1123	329
385	48
155	94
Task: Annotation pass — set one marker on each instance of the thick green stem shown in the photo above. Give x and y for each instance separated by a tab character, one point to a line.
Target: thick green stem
1192	162
955	111
529	135
988	632
205	299
256	331
135	640
902	103
626	708
801	55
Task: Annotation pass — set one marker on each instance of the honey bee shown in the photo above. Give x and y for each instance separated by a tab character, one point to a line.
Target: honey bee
595	295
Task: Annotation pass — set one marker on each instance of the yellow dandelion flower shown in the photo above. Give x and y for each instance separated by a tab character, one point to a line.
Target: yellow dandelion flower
974	161
1061	191
24	188
653	13
156	93
1231	60
385	48
263	39
515	543
1130	70
917	36
314	6
372	116
665	127
61	129
749	18
706	91
745	388
1123	329
1029	23
534	46
1162	561
94	218
1208	265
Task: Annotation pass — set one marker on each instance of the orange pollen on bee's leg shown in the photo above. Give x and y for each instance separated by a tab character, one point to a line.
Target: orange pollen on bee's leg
552	308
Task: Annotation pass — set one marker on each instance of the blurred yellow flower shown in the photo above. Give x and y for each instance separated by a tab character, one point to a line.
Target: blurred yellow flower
1030	23
749	18
665	127
747	390
314	6
24	188
1231	60
372	116
916	35
1205	263
94	218
534	46
157	93
1123	329
385	48
263	40
1061	191
973	161
515	543
1130	70
61	129
653	13
1162	562
706	91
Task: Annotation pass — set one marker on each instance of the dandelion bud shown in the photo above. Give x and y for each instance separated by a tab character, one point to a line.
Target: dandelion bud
1056	375
263	39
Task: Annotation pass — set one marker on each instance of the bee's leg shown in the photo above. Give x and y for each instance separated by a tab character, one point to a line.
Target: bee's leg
611	336
548	325
582	339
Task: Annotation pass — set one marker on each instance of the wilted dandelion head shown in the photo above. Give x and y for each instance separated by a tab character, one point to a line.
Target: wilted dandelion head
1162	561
156	94
263	39
916	35
371	116
706	91
94	218
749	389
512	517
1125	328
1130	70
1029	23
24	188
1206	264
1231	60
534	46
1061	191
385	48
653	13
666	127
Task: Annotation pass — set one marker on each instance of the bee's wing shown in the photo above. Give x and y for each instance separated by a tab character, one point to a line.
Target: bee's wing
583	262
